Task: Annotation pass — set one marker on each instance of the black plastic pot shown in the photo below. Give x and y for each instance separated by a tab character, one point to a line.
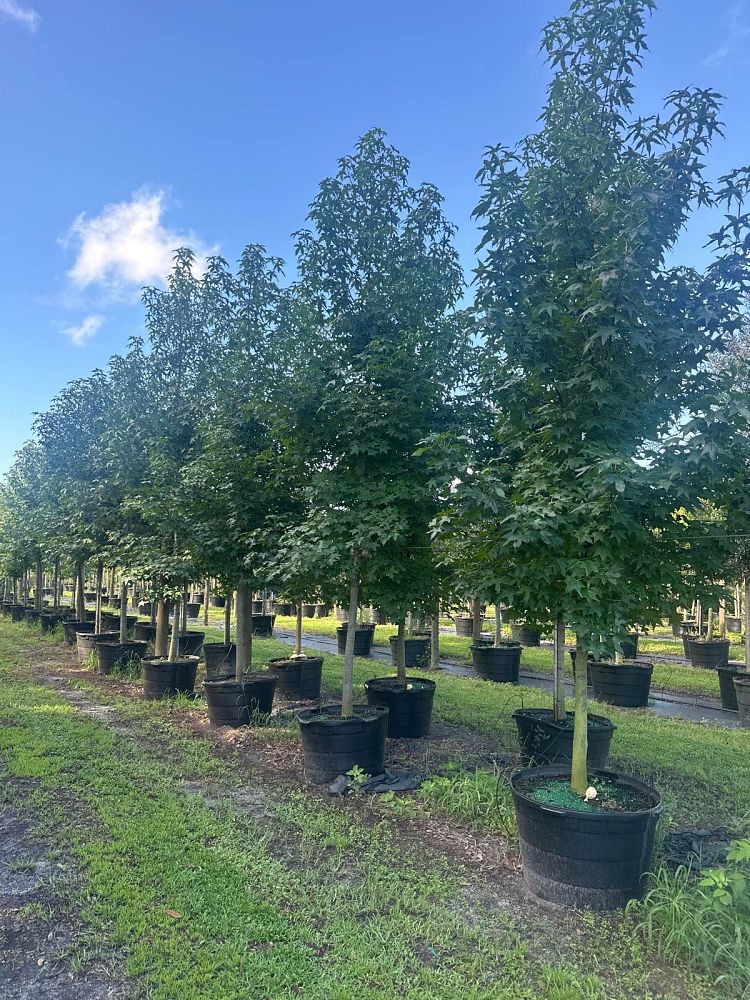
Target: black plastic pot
257	607
321	610
115	602
626	684
545	741
49	622
526	636
727	689
144	630
497	663
237	703
464	627
115	655
145	608
333	746
71	627
409	708
17	612
283	608
193	609
629	646
734	625
31	617
416	651
221	660
297	679
709	653
90	595
162	678
190	643
86	642
742	690
217	601
308	610
112	621
363	635
263	625
593	860
90	616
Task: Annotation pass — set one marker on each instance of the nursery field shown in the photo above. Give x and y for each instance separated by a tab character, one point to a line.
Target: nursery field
160	858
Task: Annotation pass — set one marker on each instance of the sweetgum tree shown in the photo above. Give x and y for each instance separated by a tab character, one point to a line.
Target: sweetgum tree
604	399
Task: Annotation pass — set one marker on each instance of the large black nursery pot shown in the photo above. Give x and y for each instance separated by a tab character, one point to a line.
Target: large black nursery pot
709	653
17	612
162	677
116	655
629	646
86	642
238	703
363	635
71	627
89	615
308	610
497	663
526	636
333	746
416	651
113	621
321	610
409	707
190	643
193	609
626	684
727	690
49	622
144	608
297	678
90	595
544	740
263	625
31	617
742	690
594	859
283	608
217	601
257	607
144	630
734	625
464	626
221	659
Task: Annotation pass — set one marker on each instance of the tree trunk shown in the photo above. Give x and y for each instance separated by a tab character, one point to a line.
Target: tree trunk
723	618
39	585
401	655
298	630
498	624
123	611
183	615
579	772
347	693
710	625
174	644
228	620
99	578
56	586
558	679
206	596
161	640
476	619
746	583
244	630
80	599
435	640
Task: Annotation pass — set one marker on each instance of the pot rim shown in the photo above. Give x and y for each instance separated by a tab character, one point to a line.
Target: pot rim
630	664
390	682
552	771
259	676
163	661
526	712
374	712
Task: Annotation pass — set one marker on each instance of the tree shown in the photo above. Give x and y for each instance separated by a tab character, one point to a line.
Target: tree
378	277
601	345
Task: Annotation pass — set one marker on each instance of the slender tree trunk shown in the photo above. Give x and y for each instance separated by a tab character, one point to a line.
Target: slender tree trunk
746	585
710	626
579	772
99	578
183	615
699	618
723	618
161	640
244	630
206	595
558	680
80	599
56	586
476	619
737	605
228	620
174	643
154	609
498	624
401	654
123	611
298	630
39	585
25	586
435	639
347	694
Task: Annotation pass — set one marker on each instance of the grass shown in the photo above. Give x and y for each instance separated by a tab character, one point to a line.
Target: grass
205	901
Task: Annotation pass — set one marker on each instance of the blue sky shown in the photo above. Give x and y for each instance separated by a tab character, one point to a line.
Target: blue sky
131	126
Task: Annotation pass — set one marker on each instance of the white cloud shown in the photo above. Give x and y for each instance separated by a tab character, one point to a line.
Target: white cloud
80	335
735	29
26	16
127	245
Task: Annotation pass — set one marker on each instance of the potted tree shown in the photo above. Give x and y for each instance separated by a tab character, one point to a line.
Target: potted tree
378	277
601	343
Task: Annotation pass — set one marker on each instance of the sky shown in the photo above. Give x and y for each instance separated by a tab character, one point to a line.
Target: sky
131	127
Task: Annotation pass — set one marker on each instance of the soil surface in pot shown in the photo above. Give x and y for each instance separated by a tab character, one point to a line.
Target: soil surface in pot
612	796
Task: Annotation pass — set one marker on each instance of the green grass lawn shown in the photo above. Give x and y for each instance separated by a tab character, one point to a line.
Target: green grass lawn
207	901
